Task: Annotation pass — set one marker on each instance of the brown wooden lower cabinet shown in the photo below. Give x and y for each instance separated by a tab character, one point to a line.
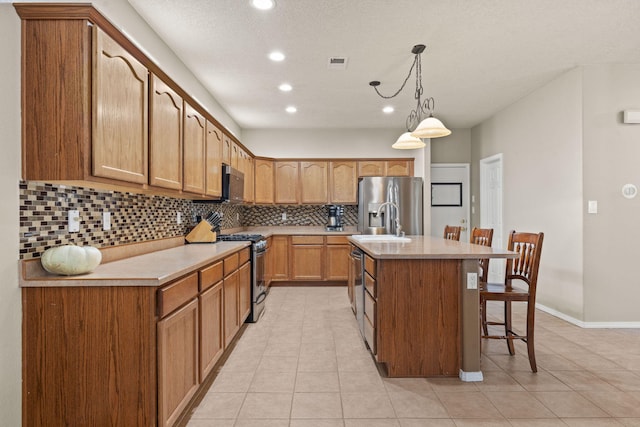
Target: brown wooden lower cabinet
178	355
412	315
310	258
125	355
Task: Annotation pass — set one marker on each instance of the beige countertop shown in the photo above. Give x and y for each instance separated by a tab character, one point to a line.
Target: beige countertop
428	247
150	269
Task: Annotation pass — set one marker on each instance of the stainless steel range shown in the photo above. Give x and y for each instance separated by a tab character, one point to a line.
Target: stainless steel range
258	253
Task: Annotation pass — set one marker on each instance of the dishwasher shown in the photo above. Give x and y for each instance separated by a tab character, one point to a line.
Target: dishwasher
357	264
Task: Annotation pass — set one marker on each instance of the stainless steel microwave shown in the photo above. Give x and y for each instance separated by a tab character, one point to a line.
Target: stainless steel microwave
232	185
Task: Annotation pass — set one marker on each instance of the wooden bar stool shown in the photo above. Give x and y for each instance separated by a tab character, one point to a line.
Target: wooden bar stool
452	232
523	269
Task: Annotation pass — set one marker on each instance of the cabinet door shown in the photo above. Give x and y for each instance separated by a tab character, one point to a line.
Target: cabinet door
236	153
213	161
226	150
371	168
211	328
280	257
286	182
314	182
120	105
343	182
231	309
177	362
165	138
248	179
194	155
337	267
244	274
307	262
399	168
264	188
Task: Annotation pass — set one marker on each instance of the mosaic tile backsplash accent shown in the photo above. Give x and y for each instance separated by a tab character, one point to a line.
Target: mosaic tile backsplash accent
296	215
136	217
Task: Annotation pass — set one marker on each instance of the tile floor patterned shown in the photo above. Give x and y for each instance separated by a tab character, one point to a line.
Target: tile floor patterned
304	365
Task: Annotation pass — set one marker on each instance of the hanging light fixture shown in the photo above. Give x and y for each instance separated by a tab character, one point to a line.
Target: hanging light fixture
429	127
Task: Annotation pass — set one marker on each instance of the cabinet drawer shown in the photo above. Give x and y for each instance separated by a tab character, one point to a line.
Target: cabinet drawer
244	255
370	335
370	284
231	263
337	240
176	294
370	308
370	265
211	275
307	240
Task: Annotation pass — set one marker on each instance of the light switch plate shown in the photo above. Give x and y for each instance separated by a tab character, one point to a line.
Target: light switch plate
592	207
472	280
106	221
73	221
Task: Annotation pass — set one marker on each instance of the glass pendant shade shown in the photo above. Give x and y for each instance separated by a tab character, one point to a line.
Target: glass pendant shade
430	128
408	142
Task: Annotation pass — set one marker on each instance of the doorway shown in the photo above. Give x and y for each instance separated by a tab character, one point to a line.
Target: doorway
491	180
450	198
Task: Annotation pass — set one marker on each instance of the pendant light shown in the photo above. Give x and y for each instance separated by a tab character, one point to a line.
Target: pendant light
429	127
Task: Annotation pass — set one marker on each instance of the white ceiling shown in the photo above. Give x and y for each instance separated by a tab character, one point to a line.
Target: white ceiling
481	55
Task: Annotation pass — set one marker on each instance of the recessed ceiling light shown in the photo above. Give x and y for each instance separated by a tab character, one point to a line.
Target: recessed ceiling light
388	109
285	87
263	4
291	109
276	56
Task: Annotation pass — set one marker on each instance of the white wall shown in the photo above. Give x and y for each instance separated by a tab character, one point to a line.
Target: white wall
541	139
10	303
611	159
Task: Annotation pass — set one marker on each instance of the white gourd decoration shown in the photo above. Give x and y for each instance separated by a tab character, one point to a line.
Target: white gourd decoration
69	260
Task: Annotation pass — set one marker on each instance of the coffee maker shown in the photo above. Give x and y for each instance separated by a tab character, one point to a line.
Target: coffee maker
334	220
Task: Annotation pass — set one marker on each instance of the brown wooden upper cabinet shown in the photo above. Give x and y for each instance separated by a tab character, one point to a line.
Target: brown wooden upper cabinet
120	132
264	181
343	182
248	178
371	168
213	162
165	137
401	167
314	182
194	154
286	174
227	145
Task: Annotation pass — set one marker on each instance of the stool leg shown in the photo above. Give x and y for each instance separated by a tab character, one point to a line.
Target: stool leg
508	328
483	309
530	349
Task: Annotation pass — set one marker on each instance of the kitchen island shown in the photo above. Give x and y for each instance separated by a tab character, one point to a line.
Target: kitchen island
421	305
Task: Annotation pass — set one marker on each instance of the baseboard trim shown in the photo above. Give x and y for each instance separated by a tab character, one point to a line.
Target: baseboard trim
588	325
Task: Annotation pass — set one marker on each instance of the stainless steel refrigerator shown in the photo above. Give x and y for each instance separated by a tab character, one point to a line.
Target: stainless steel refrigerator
405	192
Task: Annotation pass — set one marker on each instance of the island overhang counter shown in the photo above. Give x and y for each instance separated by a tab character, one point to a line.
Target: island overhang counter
421	305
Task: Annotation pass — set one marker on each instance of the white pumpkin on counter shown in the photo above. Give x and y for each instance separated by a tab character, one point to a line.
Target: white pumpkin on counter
69	260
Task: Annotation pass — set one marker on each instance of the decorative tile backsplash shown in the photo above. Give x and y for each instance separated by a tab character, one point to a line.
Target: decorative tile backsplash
136	217
296	215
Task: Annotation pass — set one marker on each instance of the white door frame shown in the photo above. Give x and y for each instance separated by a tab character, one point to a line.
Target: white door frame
466	195
490	215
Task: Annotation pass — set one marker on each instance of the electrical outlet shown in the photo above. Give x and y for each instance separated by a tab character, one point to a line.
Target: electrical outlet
73	221
179	218
472	280
284	216
106	221
237	216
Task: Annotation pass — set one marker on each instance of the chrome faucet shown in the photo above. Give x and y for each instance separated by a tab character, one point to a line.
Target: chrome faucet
399	231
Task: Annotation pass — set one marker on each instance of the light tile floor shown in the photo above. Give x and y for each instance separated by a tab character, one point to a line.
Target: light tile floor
304	364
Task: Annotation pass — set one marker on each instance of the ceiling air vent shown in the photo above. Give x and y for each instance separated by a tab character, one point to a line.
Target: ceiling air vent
337	63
